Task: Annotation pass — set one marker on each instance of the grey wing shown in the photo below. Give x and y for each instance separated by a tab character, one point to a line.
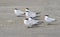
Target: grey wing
51	19
34	21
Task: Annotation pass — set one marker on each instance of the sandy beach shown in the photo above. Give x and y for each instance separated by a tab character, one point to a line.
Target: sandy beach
12	26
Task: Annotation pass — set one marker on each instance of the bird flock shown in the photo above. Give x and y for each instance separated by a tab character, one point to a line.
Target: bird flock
29	21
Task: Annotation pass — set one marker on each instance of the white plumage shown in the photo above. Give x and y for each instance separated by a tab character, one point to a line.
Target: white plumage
30	13
18	12
48	19
30	22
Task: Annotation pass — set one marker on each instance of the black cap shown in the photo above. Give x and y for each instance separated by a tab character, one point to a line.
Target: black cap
27	8
46	15
16	8
26	19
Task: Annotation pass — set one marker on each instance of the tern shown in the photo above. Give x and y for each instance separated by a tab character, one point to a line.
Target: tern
48	19
30	22
30	13
18	12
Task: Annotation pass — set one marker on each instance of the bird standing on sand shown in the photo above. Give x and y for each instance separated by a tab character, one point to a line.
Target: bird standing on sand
48	19
30	13
30	22
18	12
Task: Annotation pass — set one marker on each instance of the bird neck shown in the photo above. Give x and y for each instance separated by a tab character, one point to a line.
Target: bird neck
46	17
30	19
16	10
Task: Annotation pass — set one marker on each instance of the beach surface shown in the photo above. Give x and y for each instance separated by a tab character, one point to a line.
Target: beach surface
12	26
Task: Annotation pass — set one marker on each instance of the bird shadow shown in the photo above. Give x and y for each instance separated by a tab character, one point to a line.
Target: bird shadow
52	24
36	26
38	13
20	16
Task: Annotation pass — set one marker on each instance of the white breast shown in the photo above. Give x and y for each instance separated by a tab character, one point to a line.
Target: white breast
47	19
18	12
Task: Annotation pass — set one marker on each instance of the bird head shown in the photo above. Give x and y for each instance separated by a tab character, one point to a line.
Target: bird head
16	9
46	15
27	9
